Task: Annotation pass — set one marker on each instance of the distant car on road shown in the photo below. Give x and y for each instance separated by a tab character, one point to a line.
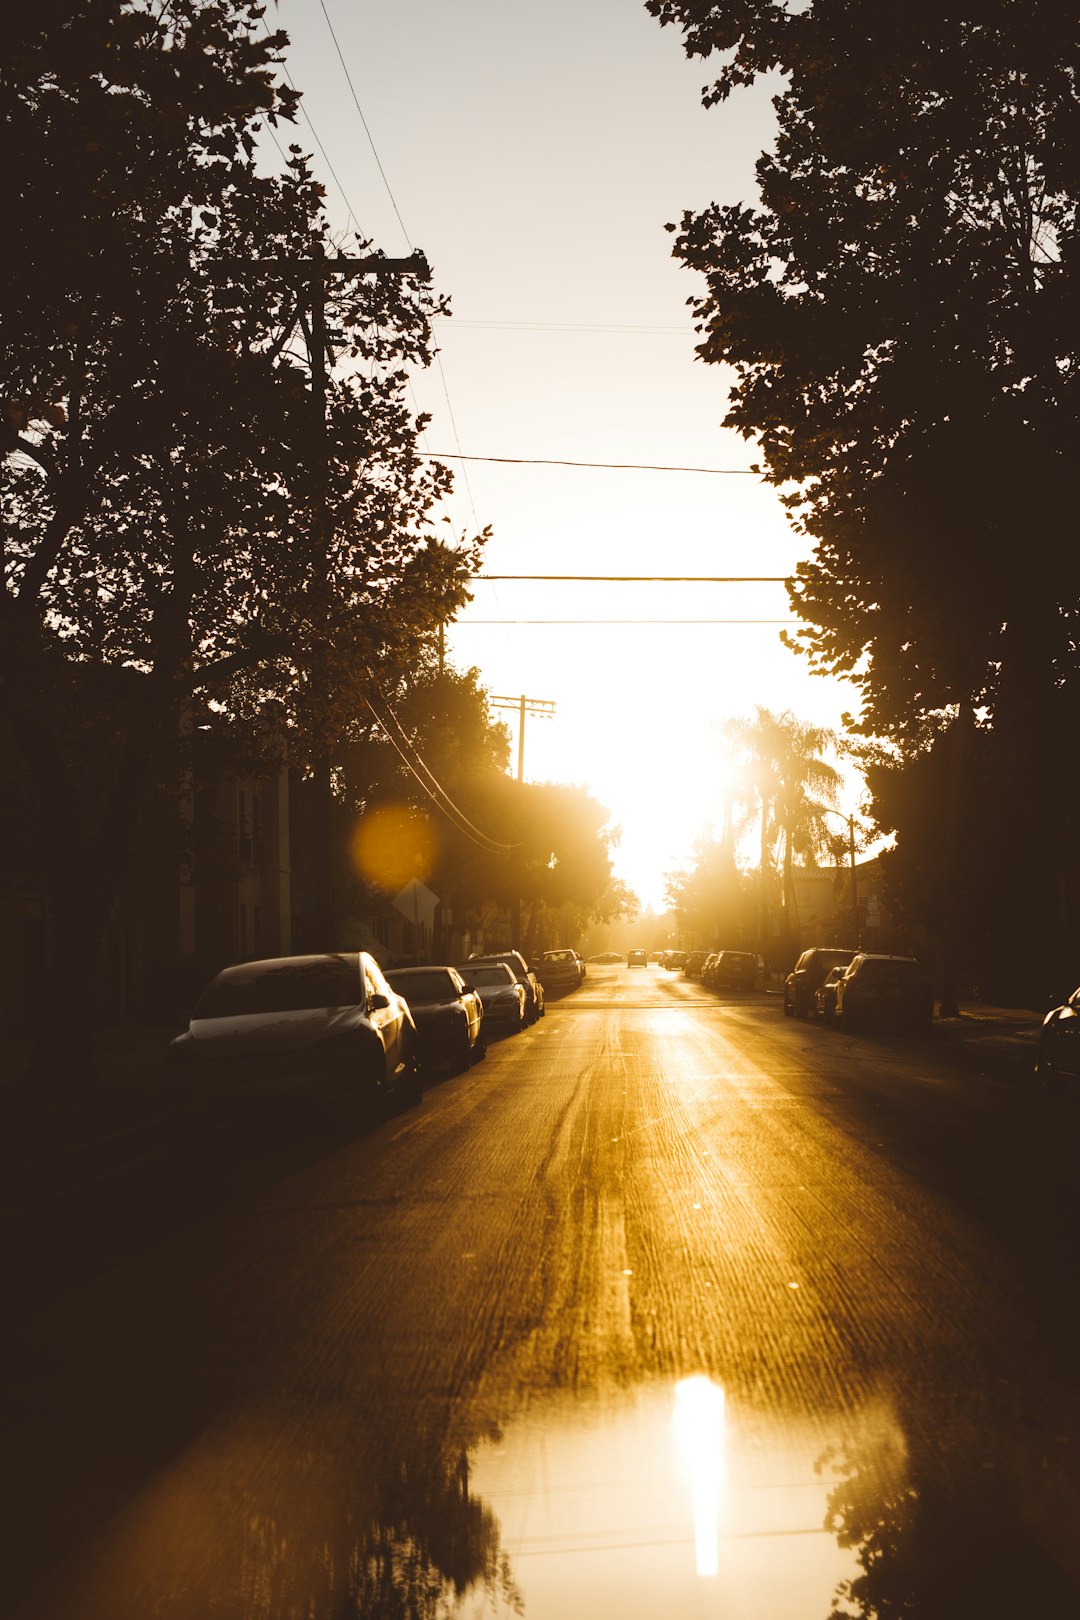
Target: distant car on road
502	994
607	956
448	1014
884	990
637	958
1058	1053
534	990
329	1027
810	971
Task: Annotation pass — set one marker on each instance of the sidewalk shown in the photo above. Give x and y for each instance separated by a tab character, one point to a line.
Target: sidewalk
997	1039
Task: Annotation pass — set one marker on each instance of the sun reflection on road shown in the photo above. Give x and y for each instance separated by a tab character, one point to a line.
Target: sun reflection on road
699	1436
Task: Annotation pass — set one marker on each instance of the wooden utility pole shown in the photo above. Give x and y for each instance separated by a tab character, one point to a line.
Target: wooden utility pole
524	705
321	923
543	707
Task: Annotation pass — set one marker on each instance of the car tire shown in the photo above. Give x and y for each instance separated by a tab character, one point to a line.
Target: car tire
479	1051
789	1011
464	1055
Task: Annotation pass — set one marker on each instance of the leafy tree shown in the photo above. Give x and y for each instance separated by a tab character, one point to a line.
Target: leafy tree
180	519
712	900
900	314
795	787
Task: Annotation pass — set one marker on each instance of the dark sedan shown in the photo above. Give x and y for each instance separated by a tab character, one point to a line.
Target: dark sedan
502	994
448	1013
1059	1043
810	971
534	990
329	1027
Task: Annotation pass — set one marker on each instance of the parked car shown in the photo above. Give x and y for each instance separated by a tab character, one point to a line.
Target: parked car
448	1014
808	973
893	990
694	962
637	958
503	996
534	990
675	959
329	1027
734	970
560	970
708	970
1058	1053
825	995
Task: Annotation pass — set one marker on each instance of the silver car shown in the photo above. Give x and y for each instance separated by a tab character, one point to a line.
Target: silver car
325	1026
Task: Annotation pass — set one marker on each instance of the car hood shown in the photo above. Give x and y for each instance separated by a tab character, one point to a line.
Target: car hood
272	1032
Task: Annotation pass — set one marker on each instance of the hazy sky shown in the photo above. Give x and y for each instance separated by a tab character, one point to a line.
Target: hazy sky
535	153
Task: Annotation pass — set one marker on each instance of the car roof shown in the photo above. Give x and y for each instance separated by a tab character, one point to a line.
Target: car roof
271	964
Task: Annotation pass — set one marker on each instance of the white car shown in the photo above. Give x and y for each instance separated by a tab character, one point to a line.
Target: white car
325	1026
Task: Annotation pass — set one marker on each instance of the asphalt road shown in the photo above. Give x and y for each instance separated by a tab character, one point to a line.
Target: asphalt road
670	1307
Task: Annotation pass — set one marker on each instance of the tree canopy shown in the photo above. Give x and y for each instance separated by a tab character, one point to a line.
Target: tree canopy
900	311
211	481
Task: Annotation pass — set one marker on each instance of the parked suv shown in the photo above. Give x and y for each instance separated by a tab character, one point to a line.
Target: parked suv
734	970
534	990
807	975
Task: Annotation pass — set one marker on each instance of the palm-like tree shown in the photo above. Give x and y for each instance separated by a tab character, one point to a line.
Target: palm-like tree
793	786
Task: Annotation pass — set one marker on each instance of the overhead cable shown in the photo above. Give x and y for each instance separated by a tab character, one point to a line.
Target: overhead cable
445	804
611	466
409	743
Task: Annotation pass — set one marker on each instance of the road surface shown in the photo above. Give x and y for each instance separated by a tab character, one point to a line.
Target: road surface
670	1307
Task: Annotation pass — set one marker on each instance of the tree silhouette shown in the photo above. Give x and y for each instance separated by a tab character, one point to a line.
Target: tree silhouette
183	521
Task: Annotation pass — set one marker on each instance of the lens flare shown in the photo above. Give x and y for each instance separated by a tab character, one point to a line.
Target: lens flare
393	844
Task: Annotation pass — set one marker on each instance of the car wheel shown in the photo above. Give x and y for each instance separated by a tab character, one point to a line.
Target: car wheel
479	1051
789	1011
463	1056
828	1015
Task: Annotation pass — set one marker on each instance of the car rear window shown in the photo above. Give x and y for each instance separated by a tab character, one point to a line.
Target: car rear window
292	986
498	973
436	985
890	973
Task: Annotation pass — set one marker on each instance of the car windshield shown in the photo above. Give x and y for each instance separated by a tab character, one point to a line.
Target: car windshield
428	984
295	984
558	956
498	974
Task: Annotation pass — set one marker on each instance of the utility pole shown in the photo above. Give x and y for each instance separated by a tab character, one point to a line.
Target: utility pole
524	705
542	707
315	273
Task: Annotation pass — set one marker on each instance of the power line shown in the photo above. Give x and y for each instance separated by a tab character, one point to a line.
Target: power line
431	775
408	239
652	579
363	120
563	326
612	466
448	808
468	623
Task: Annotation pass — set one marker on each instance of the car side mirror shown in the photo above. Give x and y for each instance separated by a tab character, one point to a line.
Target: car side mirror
377	1002
468	989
